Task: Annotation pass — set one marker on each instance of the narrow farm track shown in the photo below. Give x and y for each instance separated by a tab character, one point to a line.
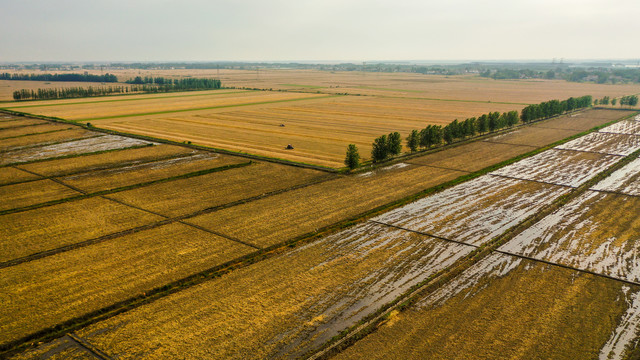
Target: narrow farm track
199	278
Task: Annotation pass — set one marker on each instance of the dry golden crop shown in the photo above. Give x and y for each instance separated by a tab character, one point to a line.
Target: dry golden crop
139	173
28	232
32	192
185	196
281	217
32	130
9	175
70	284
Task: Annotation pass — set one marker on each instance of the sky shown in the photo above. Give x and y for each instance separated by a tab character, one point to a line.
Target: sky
316	30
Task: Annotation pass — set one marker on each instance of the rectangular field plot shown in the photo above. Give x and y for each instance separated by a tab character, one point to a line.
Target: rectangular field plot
472	156
113	159
568	168
280	307
625	180
629	127
48	291
10	175
185	196
584	120
134	174
93	144
604	143
508	308
281	217
532	136
33	231
33	130
597	232
33	192
89	110
21	143
475	211
14	122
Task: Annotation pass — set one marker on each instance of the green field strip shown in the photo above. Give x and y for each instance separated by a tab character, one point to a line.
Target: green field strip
119	189
119	100
285	246
40	133
207	108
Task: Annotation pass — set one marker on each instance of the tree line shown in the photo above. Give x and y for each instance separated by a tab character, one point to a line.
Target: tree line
61	77
165	84
554	107
79	92
630	100
389	145
68	93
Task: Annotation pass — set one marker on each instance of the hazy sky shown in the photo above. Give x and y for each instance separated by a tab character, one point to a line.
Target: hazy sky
357	30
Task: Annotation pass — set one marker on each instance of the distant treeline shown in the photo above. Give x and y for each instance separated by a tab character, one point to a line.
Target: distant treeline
433	135
164	84
78	92
60	77
67	93
596	75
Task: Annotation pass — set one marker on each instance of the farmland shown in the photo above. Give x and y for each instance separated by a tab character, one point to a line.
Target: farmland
318	113
151	234
142	248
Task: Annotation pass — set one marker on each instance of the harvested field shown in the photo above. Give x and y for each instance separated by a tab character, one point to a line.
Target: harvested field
532	136
33	192
93	144
568	168
11	123
475	211
604	143
597	232
32	130
185	196
30	141
281	307
584	120
269	221
139	173
471	157
10	175
319	129
625	180
631	127
51	227
504	307
124	157
97	109
70	284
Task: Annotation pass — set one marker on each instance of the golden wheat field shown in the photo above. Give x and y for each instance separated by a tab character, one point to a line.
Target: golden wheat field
69	284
